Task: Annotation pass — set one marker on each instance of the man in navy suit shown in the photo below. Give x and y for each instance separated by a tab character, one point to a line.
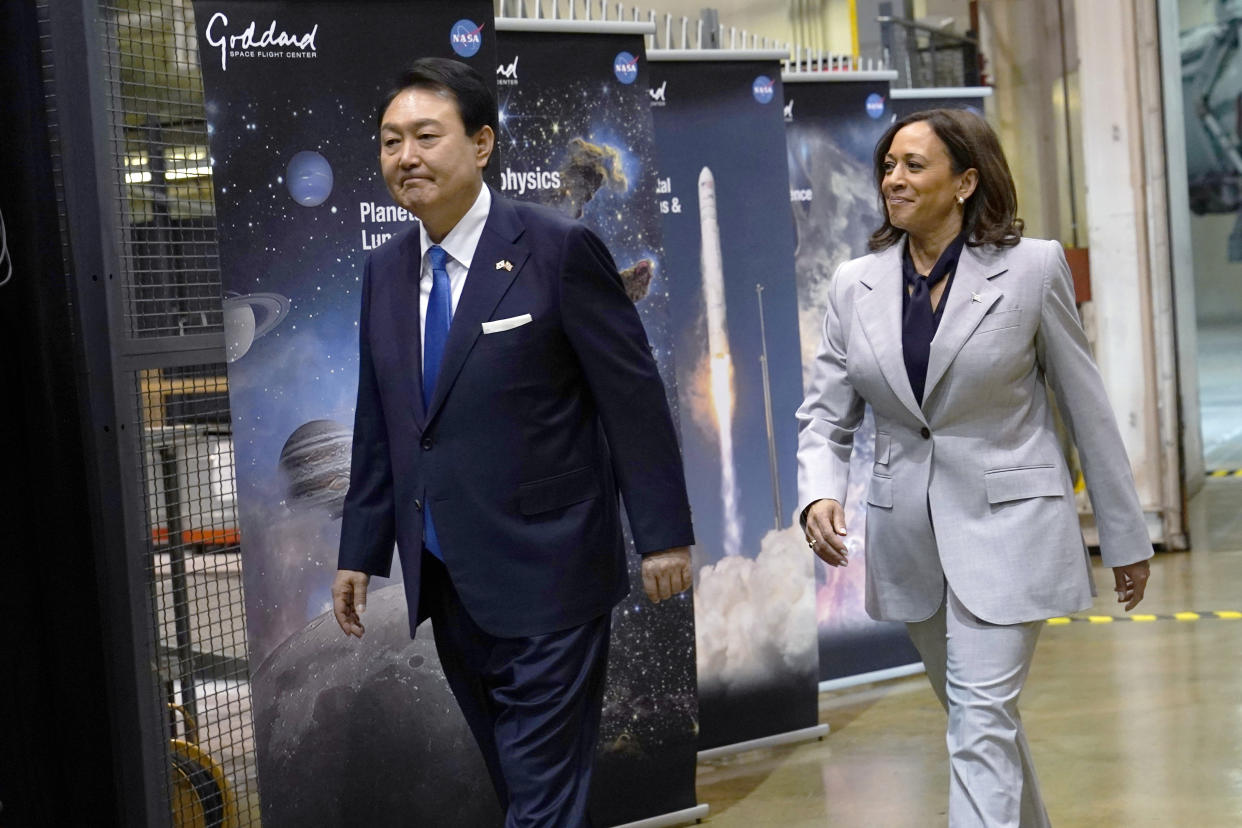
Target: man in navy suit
507	396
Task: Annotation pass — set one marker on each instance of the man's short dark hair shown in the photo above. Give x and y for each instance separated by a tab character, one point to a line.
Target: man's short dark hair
475	103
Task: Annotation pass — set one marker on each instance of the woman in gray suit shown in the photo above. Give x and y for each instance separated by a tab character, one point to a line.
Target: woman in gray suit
954	329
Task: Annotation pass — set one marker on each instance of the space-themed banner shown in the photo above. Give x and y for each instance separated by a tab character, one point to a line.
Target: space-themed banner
575	134
347	732
832	125
729	243
905	102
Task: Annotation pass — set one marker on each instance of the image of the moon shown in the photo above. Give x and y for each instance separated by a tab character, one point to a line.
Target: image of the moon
343	717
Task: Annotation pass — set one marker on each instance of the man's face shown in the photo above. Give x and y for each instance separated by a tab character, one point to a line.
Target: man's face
432	168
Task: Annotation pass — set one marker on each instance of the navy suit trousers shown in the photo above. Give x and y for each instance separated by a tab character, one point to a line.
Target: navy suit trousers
533	704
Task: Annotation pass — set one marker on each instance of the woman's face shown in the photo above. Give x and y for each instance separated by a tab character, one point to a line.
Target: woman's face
920	188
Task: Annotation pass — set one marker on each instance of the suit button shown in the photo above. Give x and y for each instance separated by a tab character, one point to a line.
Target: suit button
426	444
925	431
418	504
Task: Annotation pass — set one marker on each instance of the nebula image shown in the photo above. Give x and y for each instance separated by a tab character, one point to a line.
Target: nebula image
637	279
587	168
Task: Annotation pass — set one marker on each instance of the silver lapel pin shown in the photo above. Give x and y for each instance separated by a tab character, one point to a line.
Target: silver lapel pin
974	297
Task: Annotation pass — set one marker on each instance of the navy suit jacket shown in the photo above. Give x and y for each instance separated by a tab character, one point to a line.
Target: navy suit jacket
529	437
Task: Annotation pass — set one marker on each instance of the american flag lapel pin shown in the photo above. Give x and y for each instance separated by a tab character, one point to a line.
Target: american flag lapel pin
504	264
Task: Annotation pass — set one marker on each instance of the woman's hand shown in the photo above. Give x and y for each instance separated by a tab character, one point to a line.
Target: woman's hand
825	527
1131	581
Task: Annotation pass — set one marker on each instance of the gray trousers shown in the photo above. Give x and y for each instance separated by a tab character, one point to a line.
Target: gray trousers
977	670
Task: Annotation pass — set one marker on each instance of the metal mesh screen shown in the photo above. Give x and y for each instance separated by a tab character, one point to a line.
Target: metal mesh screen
171	289
196	588
161	163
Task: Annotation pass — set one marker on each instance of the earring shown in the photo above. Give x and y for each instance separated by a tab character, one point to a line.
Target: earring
960	201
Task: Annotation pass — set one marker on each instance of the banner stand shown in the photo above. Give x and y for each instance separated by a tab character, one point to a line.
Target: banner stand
566	26
730	248
789	737
833	120
908	101
872	677
576	136
697	813
939	92
889	75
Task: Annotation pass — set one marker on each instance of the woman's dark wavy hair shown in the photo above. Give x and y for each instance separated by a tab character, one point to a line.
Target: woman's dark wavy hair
991	212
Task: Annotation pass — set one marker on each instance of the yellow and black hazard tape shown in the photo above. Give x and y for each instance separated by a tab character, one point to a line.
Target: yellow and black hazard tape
1225	473
1138	617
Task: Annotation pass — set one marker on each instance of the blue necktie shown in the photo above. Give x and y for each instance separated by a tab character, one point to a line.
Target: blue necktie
436	326
435	334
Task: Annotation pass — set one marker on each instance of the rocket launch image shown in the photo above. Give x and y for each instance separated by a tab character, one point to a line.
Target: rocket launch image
720	361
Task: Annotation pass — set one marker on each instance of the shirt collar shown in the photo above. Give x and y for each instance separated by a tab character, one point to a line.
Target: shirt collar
461	242
946	264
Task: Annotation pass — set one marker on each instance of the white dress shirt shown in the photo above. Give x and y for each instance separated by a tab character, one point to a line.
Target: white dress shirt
460	244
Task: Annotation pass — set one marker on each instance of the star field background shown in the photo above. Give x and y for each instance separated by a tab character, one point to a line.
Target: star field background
566	89
830	141
262	110
260	113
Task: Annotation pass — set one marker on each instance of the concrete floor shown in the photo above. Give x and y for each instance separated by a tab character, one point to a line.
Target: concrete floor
1131	723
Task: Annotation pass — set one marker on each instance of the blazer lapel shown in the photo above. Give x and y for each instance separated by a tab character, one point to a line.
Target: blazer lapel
969	301
879	314
405	321
485	285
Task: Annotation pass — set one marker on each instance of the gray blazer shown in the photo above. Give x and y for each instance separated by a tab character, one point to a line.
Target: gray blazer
973	487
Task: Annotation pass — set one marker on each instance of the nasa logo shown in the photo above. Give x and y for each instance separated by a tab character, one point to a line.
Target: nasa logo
625	67
763	89
466	38
875	105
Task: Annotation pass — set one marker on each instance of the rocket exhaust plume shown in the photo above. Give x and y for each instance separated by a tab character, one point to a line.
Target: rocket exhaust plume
720	362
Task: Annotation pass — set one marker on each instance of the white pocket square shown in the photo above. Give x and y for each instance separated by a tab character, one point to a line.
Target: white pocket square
498	325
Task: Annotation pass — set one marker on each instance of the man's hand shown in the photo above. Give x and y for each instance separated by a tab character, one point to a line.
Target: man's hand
667	573
825	527
1131	581
349	600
